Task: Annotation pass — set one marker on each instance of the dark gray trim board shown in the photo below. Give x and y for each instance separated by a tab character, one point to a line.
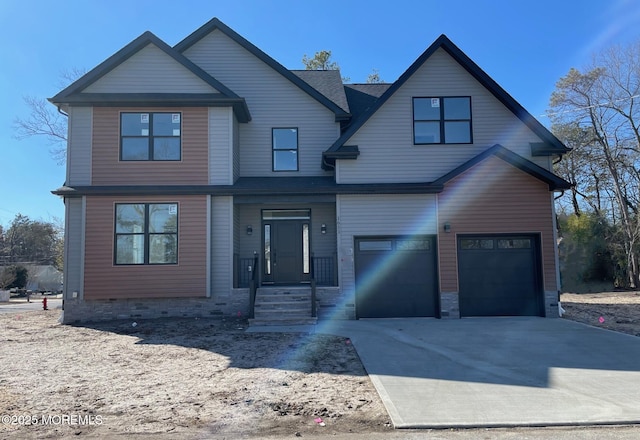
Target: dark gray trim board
258	186
127	52
252	187
239	105
554	182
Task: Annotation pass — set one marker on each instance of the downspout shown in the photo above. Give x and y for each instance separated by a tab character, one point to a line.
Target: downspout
328	165
62	112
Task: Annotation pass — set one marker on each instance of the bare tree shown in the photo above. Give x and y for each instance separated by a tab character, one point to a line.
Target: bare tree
604	101
46	121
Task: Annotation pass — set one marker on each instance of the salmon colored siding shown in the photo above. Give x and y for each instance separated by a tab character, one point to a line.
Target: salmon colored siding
104	280
108	169
491	198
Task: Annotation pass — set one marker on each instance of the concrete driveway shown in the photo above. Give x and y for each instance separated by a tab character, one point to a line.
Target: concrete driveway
493	372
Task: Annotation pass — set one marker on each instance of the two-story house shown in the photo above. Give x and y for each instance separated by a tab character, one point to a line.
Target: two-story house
207	179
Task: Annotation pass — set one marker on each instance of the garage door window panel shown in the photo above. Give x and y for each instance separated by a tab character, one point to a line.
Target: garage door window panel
476	244
519	243
384	245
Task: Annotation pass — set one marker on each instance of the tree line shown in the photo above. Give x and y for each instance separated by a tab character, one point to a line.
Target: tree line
26	242
596	112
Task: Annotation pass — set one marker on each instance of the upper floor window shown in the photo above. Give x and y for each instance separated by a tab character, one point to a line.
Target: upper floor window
146	233
442	120
150	136
285	149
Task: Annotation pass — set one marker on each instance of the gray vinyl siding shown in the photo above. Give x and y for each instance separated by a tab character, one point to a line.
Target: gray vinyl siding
236	149
236	229
79	147
375	215
322	245
249	215
221	246
148	71
74	247
220	145
387	153
273	101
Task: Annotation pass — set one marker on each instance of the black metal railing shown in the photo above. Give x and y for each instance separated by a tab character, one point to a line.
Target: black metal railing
313	286
253	284
243	274
325	271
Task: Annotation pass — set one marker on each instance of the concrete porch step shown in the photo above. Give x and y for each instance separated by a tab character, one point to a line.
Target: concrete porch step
276	313
282	297
282	305
282	321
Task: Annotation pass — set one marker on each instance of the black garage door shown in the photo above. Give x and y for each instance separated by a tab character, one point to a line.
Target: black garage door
395	277
499	276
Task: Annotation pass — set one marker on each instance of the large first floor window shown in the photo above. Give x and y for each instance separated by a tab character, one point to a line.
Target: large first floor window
442	120
285	149
150	136
146	233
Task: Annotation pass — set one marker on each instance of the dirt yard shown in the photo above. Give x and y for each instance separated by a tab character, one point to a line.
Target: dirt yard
207	378
618	311
178	376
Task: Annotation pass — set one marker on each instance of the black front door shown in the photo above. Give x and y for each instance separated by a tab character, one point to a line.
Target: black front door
286	252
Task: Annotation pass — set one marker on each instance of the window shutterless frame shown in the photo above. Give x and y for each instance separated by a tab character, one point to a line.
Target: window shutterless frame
142	233
442	120
284	149
150	136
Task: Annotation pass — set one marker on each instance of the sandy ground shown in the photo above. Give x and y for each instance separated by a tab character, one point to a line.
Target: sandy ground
181	378
618	311
177	376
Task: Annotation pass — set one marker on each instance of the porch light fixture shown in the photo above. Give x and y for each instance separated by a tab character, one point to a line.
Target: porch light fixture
249	230
323	228
447	227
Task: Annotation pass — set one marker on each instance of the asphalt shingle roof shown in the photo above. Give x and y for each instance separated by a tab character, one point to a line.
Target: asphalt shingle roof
362	96
328	83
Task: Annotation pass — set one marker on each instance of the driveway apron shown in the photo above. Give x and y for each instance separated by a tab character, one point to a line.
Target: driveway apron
493	372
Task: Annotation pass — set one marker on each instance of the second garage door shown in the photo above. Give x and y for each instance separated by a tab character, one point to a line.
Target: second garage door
395	277
499	276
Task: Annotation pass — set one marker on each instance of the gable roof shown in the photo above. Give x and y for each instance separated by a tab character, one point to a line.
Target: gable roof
554	144
554	182
327	82
215	23
73	93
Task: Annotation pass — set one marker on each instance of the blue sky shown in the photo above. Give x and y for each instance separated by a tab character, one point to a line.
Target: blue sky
526	46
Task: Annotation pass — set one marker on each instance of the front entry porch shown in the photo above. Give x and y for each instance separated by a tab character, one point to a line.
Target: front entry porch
281	253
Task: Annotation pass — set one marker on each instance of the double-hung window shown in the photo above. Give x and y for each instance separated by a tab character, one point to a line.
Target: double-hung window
150	136
441	120
285	149
146	233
